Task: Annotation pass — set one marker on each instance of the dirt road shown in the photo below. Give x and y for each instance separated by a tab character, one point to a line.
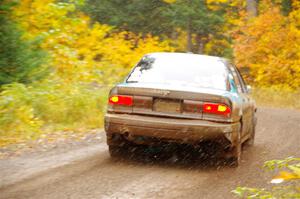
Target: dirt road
89	172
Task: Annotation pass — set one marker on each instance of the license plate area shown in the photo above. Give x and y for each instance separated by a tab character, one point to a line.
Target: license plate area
167	105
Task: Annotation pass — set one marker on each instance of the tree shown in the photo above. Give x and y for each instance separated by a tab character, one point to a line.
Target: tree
197	19
130	15
286	6
20	61
163	18
82	51
252	8
271	42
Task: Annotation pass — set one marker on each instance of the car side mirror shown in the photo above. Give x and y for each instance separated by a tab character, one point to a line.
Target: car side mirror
249	88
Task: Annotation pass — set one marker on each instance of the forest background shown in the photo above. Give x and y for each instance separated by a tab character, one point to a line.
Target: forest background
58	58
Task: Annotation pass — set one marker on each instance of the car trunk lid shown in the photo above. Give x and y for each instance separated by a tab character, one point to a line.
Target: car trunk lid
169	100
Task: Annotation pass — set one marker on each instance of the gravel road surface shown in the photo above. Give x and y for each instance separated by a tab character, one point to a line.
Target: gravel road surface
87	171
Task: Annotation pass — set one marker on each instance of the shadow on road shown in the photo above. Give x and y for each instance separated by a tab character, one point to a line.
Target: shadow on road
177	155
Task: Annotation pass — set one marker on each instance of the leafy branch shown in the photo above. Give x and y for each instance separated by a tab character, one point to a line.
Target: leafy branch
286	184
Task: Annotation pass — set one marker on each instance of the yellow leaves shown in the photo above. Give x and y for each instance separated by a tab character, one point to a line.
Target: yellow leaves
296	171
287	176
215	4
79	51
40	16
217	1
169	1
286	190
84	58
284	176
18	121
217	46
271	42
289	169
151	44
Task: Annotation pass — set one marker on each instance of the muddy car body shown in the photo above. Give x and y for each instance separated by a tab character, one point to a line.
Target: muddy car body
184	98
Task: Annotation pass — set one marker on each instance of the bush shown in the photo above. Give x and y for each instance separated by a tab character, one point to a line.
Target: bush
20	61
29	111
287	182
69	104
281	97
82	58
18	121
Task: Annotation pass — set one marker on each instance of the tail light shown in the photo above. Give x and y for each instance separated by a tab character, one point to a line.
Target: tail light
121	100
213	108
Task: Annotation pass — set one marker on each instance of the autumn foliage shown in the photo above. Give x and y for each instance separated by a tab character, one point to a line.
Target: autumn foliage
80	50
59	58
269	46
84	60
285	183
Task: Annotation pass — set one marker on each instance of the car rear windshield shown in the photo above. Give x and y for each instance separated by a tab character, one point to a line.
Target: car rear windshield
194	71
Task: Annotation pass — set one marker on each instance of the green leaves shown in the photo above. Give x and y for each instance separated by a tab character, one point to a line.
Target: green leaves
162	18
20	60
27	111
203	20
254	193
279	164
130	15
86	60
286	184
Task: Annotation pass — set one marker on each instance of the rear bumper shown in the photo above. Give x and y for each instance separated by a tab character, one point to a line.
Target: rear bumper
185	130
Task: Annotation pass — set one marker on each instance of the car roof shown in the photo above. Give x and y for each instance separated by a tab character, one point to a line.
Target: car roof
186	56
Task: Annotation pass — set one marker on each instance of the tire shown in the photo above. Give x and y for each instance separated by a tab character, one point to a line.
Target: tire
117	145
235	160
115	151
114	139
250	141
236	153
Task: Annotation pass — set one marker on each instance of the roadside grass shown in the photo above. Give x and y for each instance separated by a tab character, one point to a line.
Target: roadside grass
39	110
277	97
29	112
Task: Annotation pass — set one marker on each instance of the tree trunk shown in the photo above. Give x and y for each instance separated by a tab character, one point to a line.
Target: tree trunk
189	42
174	35
286	7
251	8
201	42
174	38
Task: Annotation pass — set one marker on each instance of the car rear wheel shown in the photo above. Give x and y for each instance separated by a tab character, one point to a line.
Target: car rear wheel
116	151
250	141
236	152
117	145
235	160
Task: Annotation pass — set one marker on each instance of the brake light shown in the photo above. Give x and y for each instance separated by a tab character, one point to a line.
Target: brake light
212	108
121	100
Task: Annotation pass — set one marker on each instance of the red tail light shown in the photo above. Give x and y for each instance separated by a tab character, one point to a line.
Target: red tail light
212	108
121	100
